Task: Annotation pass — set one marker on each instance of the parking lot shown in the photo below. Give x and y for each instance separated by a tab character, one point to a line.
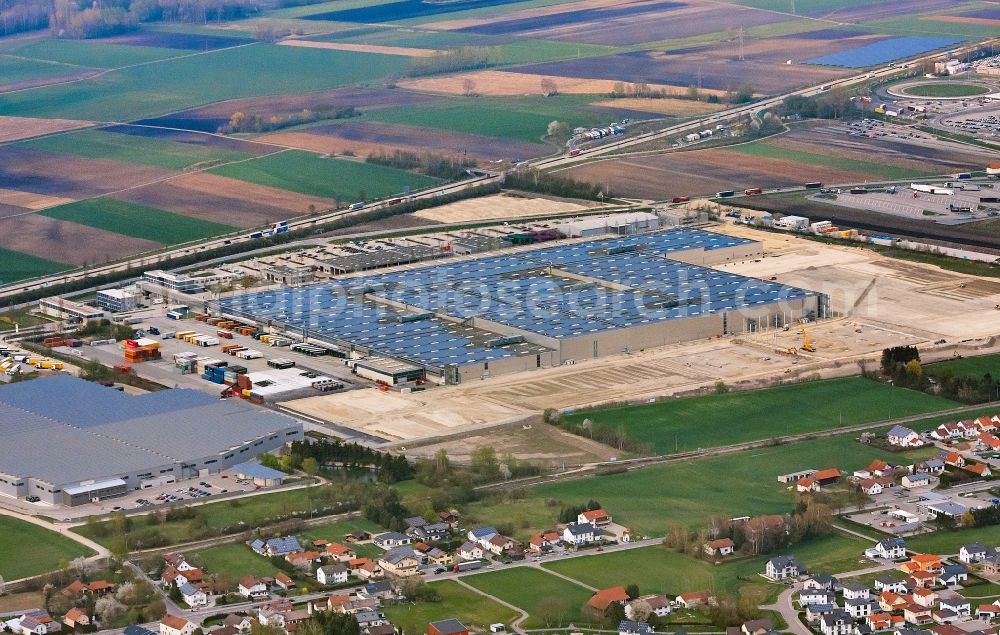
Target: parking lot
962	206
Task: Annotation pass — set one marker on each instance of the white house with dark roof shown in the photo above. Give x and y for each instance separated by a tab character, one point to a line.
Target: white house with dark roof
781	567
579	534
973	553
903	437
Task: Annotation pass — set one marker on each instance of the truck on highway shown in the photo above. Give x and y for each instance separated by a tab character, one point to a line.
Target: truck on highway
355	206
725	194
752	191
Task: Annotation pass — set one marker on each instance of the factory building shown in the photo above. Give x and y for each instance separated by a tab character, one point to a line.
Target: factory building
474	317
70	441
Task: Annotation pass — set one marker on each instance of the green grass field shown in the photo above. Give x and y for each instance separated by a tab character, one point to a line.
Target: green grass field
941	89
99	144
688	492
662	570
15	266
949	542
802	6
31	550
253	511
967	366
529	589
522	118
875	170
184	82
94	53
336	531
136	220
918	25
332	178
470	608
14	69
679	424
234	561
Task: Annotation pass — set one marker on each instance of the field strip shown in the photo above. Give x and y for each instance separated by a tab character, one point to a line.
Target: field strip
16	128
52	62
362	48
31	200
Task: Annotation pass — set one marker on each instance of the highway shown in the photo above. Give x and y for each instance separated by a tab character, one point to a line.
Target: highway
546	163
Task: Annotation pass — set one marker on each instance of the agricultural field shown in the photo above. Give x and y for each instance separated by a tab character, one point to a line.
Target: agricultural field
90	53
19	74
809	152
949	89
949	542
677	425
15	265
136	220
120	143
467	606
967	366
528	589
333	178
233	561
31	550
648	499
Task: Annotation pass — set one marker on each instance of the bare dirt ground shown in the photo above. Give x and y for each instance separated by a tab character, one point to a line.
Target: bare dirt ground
884	303
362	48
506	83
497	206
960	19
293	202
67	242
14	128
453	25
69	176
30	200
175	197
670	107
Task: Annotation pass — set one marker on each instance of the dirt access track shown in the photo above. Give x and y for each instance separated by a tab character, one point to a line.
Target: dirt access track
892	303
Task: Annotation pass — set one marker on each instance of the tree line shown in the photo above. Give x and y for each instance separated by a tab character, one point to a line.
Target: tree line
240	121
334	454
449	168
901	365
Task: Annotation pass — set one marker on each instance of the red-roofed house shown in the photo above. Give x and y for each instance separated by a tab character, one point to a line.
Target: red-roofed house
720	547
76	617
339	552
979	469
597	517
604	598
807	484
694	598
173	625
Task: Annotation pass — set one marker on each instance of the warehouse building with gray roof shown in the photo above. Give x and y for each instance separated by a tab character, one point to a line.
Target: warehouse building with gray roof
70	441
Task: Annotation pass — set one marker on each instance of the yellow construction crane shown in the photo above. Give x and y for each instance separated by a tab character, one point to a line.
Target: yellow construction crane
806	344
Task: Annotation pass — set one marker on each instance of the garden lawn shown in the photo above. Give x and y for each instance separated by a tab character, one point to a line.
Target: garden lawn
136	220
943	542
680	425
184	82
468	607
881	171
16	266
967	366
30	550
689	492
332	178
529	589
128	148
335	532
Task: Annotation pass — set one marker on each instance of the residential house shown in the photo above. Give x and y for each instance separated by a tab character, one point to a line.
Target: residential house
482	534
860	608
957	603
331	574
579	534
991	566
757	627
604	598
630	627
192	596
973	553
544	542
367	569
281	579
470	551
917	614
827	477
38	623
921	580
903	437
931	466
856	591
253	588
925	597
596	517
952	574
450	518
76	587
821	581
414	521
922	562
304	560
871	486
498	543
953	459
944	616
807	484
815	611
889	601
76	617
431	532
276	546
358	537
890	583
808	597
658	604
987	442
174	625
381	590
888	549
979	469
103	587
692	599
439	557
837	622
339	552
913	481
883	621
391	540
367	619
400	561
447	627
241	623
781	567
988	612
720	547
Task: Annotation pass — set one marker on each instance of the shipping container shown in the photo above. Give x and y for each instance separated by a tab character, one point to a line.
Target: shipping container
281	363
813	185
